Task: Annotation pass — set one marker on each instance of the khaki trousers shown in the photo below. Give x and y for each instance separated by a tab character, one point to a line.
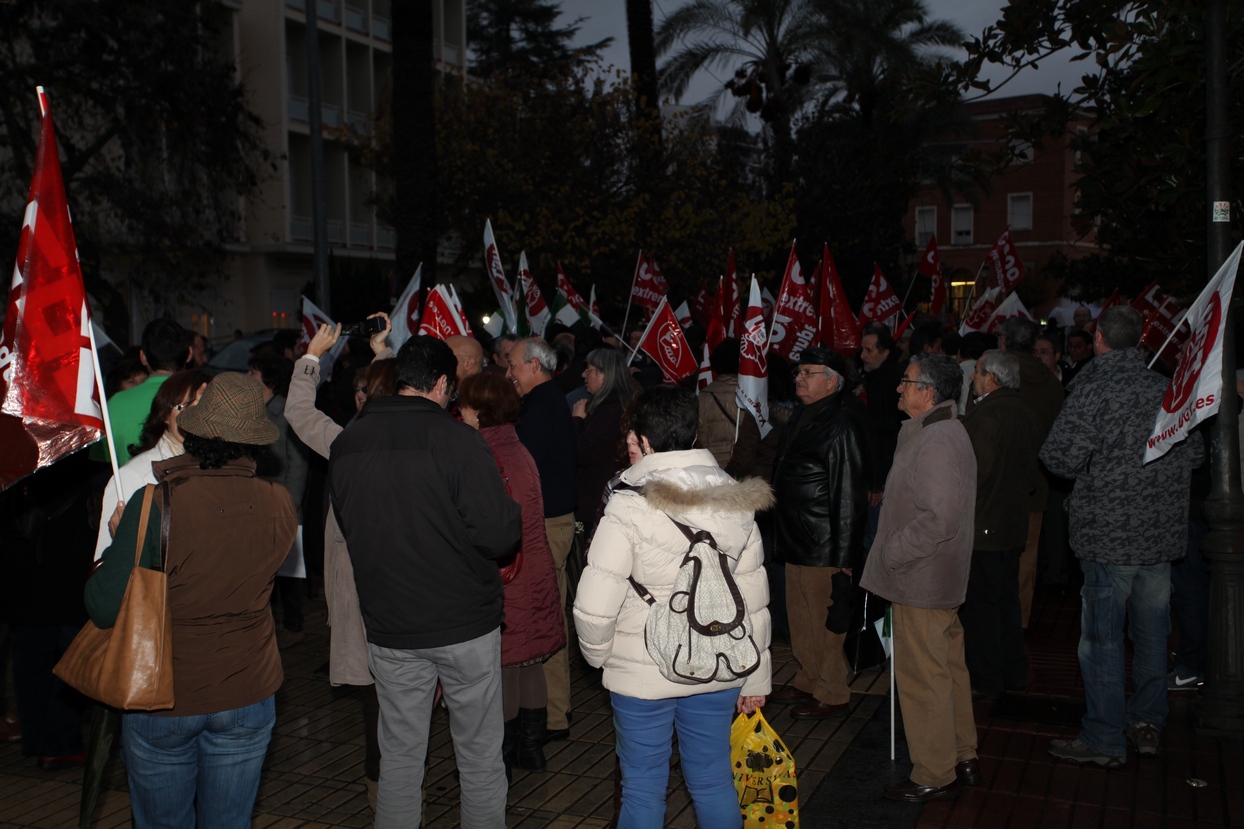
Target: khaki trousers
560	530
934	692
1028	567
823	669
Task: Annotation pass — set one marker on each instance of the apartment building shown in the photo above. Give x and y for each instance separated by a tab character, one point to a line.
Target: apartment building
272	263
1035	198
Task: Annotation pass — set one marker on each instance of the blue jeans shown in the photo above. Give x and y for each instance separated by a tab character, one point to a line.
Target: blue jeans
644	731
1111	593
201	766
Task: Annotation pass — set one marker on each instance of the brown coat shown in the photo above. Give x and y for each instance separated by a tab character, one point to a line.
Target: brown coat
347	641
923	549
719	414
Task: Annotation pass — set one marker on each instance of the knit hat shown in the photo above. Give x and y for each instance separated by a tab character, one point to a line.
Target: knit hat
231	409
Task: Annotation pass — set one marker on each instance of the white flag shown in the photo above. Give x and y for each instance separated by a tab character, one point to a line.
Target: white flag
312	319
753	393
405	314
1196	389
496	276
1007	309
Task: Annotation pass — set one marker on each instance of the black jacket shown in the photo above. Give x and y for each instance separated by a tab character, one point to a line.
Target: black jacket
1005	436
818	480
548	432
425	513
881	388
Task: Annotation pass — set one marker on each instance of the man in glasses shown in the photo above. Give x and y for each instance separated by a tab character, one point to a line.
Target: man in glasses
818	478
920	562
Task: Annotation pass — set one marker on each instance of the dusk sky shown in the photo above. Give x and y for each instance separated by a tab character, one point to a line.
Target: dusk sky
605	18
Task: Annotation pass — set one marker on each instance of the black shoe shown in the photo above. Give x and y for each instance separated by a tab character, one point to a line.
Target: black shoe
968	772
788	695
529	755
509	747
553	735
322	671
910	792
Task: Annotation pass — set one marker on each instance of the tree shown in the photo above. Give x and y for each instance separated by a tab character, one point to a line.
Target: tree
1142	173
768	45
157	144
648	148
512	34
413	127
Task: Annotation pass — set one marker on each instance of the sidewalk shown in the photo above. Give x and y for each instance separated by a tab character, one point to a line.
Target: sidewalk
313	774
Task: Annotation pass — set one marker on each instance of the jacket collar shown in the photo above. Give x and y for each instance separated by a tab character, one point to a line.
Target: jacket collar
187	465
691	479
403	403
946	410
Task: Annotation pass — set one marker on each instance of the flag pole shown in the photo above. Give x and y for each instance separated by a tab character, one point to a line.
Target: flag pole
1174	330
631	296
644	336
103	406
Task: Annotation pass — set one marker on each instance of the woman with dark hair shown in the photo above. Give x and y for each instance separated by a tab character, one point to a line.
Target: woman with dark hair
533	629
159	440
228	531
599	419
637	539
347	640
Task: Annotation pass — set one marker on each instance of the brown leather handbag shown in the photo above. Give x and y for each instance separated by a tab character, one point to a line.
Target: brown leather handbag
130	665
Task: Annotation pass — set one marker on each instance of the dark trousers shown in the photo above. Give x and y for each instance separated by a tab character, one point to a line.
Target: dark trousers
776	572
1055	566
1190	603
50	711
992	632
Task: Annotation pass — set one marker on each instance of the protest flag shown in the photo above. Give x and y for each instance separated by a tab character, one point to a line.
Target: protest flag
593	310
753	393
568	305
981	312
1005	264
881	304
794	318
496	276
49	381
405	315
705	378
767	304
648	288
536	309
703	304
931	266
464	325
1007	309
664	342
683	314
440	318
312	319
836	326
734	313
1161	333
717	319
1196	389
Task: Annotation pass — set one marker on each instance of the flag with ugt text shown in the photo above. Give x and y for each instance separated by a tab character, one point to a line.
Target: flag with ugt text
881	304
47	378
931	266
405	314
664	342
1162	314
978	317
794	319
440	318
537	310
1196	389
650	288
312	319
1008	271
753	393
837	328
496	276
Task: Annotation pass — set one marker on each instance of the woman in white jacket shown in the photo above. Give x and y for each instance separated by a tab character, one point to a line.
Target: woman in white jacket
637	538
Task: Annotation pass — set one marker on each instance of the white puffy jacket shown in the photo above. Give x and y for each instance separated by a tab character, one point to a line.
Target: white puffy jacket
636	538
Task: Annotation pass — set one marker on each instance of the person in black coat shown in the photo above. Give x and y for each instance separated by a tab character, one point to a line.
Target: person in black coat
819	481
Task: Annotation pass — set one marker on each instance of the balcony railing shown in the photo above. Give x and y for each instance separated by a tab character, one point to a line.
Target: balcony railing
330	115
329	10
298	110
301	229
360	235
385	238
356	19
381	28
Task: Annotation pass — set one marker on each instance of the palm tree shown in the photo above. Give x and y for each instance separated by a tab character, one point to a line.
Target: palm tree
767	45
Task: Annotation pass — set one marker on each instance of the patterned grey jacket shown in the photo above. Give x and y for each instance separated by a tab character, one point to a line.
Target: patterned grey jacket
1121	510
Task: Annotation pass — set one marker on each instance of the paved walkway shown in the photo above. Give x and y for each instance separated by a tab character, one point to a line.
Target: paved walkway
313	775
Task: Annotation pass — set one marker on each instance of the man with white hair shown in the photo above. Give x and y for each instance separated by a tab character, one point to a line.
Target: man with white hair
547	430
1005	439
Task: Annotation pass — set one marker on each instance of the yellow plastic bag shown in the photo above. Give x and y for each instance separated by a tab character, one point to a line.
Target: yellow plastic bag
764	774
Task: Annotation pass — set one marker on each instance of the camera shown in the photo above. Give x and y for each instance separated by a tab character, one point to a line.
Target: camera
372	325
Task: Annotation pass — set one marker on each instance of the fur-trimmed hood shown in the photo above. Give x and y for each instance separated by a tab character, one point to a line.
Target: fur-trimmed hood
691	481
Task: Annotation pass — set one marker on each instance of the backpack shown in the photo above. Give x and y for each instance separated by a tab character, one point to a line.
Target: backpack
703	633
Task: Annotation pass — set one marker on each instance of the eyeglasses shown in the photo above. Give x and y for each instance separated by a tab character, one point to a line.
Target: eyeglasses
805	373
916	382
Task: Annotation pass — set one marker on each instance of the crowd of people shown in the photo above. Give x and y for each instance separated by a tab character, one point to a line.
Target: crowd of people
457	500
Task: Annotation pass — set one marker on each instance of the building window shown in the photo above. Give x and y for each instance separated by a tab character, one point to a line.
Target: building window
1019	211
926	225
961	224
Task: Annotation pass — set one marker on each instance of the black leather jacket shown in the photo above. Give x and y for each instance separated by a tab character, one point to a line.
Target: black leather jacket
818	479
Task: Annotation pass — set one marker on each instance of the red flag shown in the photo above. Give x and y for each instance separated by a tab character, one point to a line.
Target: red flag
705	377
1161	313
440	319
734	312
650	287
1008	270
982	310
51	402
716	320
1112	300
702	307
931	267
837	327
664	342
880	303
794	319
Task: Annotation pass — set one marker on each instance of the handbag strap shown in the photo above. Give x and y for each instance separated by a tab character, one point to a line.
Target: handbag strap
165	522
143	517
